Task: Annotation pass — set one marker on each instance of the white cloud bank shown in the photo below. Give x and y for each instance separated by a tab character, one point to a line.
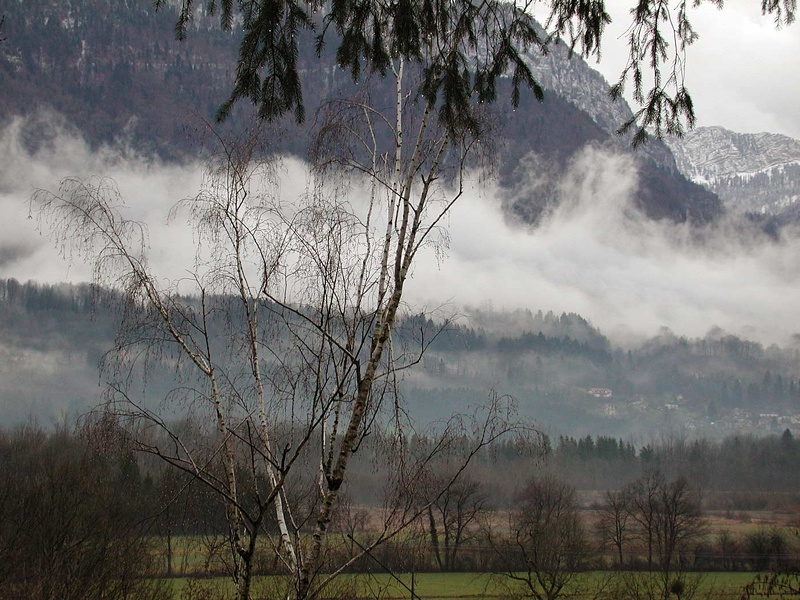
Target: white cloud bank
595	255
598	257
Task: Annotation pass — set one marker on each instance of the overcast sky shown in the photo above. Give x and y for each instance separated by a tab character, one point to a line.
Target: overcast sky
743	73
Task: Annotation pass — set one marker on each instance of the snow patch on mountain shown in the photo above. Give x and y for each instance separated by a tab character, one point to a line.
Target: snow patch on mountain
757	173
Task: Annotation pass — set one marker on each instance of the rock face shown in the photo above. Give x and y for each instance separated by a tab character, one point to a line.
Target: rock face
574	80
579	110
752	173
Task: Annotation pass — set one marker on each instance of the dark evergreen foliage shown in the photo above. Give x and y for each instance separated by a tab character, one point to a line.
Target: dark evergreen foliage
72	519
461	48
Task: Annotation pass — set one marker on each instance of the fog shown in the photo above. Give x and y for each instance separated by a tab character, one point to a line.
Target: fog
594	255
599	257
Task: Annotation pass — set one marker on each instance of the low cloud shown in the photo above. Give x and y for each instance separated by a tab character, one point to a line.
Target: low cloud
12	252
598	256
148	187
595	254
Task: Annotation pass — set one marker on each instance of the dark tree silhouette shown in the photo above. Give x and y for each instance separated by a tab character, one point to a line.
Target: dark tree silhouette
546	542
488	38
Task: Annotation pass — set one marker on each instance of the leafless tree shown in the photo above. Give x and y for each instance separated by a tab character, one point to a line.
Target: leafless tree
351	522
668	514
162	327
456	517
614	522
284	361
67	528
679	521
634	585
644	497
778	584
546	542
288	355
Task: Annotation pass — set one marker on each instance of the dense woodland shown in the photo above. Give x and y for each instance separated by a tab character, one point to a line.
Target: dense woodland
79	502
707	387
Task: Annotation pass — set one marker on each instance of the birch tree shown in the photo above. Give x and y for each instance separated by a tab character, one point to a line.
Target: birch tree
288	357
284	358
214	341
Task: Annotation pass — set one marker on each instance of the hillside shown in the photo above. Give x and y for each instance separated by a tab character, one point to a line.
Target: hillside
114	71
561	369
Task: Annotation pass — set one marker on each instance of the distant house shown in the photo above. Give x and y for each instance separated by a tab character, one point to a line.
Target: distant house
600	392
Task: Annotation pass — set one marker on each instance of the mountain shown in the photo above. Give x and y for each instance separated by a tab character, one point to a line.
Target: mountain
751	173
113	70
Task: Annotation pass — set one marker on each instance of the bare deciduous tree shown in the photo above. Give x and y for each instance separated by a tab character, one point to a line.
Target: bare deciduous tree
288	355
613	523
546	542
643	495
285	360
456	517
69	525
777	584
668	515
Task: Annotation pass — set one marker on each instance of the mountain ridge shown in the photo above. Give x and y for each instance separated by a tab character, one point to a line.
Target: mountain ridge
114	69
751	173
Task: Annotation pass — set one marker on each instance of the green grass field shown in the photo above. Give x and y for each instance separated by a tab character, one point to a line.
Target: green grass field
458	586
452	586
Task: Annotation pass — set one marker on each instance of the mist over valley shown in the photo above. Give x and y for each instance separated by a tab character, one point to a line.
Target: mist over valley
324	298
665	305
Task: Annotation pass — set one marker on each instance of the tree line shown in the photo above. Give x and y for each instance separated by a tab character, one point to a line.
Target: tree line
737	467
714	375
78	502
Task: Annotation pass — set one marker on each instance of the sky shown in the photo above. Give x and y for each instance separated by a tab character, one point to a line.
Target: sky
742	72
594	256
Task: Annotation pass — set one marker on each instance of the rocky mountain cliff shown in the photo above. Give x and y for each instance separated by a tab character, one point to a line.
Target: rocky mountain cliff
113	69
574	80
753	173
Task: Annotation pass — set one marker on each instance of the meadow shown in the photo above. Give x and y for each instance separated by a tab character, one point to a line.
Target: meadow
456	586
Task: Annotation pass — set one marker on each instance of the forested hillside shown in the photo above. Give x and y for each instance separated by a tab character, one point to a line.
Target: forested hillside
114	71
563	371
